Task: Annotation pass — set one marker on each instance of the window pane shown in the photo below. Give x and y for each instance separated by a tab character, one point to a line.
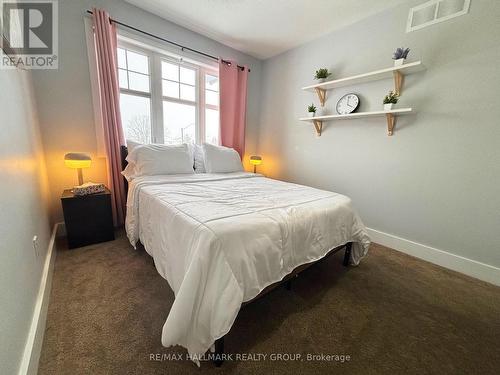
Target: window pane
137	62
138	82
188	93
212	126
136	112
170	71
179	123
188	76
122	62
211	82
211	97
170	89
122	78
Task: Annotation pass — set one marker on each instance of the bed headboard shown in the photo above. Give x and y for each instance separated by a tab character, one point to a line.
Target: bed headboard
123	157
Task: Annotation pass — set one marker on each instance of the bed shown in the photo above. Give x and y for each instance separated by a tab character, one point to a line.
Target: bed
223	240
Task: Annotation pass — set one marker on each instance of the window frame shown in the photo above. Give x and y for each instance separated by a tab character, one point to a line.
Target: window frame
436	19
205	105
155	58
196	102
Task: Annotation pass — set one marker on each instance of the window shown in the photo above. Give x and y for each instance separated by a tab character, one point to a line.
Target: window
164	100
179	103
135	95
435	11
212	109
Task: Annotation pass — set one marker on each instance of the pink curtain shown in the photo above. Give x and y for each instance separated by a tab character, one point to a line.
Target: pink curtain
106	42
233	104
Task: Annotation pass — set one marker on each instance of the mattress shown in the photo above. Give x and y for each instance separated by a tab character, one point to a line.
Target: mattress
220	239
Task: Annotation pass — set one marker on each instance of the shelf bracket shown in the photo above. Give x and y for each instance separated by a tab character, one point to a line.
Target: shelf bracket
391	121
398	81
318	125
321	95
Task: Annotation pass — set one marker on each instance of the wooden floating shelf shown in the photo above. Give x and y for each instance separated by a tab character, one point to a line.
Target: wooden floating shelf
396	72
390	116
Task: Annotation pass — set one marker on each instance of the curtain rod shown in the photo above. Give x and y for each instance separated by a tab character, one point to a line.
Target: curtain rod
170	42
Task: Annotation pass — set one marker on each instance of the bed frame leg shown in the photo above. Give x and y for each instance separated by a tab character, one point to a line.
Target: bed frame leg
347	255
219	351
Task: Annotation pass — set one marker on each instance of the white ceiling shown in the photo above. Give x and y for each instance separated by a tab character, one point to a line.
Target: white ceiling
264	28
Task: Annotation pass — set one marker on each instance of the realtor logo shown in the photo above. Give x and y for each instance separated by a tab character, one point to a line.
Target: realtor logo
29	34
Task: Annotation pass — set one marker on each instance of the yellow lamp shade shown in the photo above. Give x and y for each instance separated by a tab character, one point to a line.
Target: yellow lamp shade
77	160
255	160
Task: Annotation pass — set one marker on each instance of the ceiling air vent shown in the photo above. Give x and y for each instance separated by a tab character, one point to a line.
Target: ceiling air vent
435	11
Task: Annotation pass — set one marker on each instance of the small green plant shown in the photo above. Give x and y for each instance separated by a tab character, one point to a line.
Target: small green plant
322	73
391	98
311	108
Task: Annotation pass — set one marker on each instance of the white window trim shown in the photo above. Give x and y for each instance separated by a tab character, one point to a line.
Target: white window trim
155	57
152	90
166	50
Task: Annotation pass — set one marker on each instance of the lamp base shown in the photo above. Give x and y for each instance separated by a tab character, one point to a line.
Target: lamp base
80	176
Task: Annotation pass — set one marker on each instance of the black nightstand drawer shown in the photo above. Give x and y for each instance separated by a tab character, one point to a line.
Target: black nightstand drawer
88	218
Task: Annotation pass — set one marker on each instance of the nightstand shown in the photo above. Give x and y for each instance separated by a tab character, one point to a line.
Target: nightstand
88	218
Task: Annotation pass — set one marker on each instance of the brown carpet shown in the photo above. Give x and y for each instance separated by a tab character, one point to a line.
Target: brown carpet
393	314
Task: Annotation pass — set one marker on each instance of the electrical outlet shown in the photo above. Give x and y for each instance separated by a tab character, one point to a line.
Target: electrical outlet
35	245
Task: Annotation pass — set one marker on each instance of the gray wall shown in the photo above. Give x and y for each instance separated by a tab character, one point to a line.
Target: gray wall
23	214
436	180
64	95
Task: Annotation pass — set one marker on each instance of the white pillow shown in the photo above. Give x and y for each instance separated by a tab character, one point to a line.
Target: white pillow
132	144
157	159
219	159
129	172
191	150
199	159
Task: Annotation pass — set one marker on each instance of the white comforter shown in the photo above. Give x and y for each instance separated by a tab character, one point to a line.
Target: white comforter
220	239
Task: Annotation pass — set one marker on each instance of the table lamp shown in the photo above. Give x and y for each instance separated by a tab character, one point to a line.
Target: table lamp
76	160
255	160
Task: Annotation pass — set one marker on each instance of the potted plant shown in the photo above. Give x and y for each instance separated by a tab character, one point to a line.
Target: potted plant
311	109
322	74
389	100
400	56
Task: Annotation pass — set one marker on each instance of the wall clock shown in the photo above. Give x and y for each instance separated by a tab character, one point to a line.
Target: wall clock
347	104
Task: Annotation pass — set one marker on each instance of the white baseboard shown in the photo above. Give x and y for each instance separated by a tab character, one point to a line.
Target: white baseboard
33	348
442	258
